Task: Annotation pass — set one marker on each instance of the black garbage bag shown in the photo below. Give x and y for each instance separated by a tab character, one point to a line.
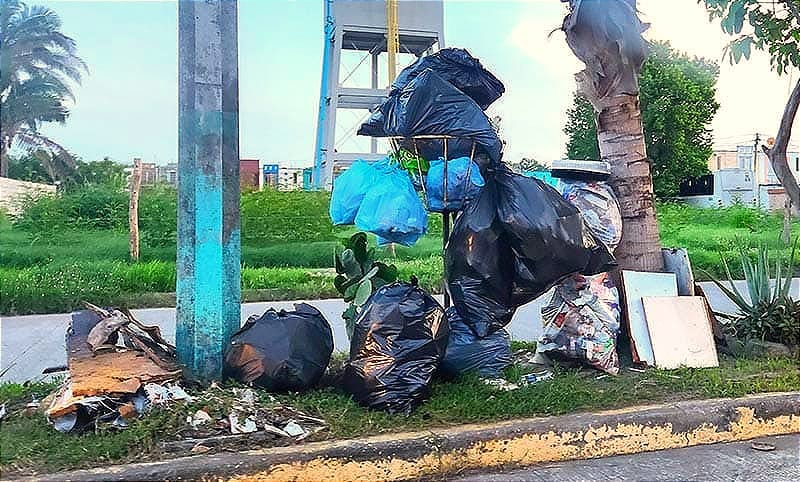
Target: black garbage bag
398	342
511	245
459	68
548	235
429	105
466	353
281	351
479	264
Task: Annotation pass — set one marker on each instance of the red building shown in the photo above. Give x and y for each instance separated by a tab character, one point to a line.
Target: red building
248	174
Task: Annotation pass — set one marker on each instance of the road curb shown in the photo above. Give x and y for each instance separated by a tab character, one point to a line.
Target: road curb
445	451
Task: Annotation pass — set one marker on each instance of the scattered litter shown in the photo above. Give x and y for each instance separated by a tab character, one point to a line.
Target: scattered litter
273	429
163	394
2	411
398	341
533	378
280	351
245	395
200	449
602	376
762	446
127	410
637	370
246	426
31	407
200	417
500	384
293	429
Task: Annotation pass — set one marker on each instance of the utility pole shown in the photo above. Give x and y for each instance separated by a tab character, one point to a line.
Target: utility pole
209	252
755	156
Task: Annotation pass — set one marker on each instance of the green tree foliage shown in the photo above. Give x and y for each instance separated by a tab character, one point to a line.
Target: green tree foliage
677	95
39	67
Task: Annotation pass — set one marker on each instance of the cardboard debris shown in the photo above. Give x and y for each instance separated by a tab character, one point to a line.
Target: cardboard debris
110	357
676	261
680	332
635	286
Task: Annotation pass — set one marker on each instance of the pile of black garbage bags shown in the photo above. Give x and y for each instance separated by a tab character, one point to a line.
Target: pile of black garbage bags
514	237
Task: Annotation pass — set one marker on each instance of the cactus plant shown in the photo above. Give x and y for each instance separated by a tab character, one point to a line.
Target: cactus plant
359	275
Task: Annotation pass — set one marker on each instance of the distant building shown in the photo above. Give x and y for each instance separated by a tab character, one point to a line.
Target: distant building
290	178
168	174
249	174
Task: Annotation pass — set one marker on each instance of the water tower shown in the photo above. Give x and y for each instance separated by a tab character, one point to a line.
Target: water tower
356	30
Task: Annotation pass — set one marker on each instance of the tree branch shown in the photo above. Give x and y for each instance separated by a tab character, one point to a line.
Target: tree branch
787	121
777	154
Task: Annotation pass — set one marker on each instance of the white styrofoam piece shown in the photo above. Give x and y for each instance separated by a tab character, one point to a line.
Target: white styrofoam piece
680	332
636	285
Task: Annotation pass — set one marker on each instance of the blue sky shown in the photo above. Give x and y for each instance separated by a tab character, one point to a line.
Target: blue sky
127	105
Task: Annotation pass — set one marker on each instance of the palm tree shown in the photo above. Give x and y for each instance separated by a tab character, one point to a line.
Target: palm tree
606	35
38	69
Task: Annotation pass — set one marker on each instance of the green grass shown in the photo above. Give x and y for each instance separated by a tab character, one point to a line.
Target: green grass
29	444
53	270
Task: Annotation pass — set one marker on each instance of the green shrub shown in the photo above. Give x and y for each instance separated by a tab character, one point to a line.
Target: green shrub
91	207
286	216
158	216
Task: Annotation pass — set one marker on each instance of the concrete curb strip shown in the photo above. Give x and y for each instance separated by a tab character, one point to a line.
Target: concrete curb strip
516	442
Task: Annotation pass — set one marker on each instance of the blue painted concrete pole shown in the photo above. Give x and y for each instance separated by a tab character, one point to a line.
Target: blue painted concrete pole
208	261
320	152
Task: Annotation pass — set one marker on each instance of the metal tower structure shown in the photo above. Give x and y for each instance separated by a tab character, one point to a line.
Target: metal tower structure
364	26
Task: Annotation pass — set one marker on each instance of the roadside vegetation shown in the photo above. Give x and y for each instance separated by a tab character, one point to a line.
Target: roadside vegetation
73	247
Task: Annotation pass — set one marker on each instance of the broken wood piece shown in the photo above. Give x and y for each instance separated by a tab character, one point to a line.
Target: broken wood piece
680	332
635	286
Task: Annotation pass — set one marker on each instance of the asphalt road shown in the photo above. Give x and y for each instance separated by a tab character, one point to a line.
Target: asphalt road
722	462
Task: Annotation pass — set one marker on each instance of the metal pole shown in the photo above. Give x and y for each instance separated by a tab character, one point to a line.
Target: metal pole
445	225
208	260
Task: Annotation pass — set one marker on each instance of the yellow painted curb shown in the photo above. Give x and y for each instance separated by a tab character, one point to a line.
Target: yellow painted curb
529	449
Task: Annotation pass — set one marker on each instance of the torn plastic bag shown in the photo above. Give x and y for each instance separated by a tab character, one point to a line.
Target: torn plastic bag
598	206
429	105
349	190
461	69
479	265
392	209
398	342
581	321
464	182
281	351
466	353
548	235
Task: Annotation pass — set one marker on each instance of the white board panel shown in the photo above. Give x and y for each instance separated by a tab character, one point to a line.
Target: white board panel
680	332
636	285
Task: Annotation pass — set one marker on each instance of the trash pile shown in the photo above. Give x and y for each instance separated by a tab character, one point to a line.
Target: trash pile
582	319
118	367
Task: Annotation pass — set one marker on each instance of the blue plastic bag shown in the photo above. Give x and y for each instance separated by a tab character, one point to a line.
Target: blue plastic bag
392	210
466	353
464	182
349	190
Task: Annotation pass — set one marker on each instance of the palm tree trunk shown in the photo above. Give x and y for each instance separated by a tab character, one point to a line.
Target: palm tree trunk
3	158
621	140
607	37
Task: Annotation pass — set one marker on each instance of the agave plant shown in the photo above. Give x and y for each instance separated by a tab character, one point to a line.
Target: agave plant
770	314
358	276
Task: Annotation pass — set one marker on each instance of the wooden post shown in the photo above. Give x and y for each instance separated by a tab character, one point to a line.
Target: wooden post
133	208
209	252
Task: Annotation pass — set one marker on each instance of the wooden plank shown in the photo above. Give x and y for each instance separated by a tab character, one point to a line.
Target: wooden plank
680	332
636	285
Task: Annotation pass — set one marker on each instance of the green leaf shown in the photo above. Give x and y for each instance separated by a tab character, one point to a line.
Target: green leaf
737	13
388	273
350	292
358	243
340	283
371	273
363	293
351	266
